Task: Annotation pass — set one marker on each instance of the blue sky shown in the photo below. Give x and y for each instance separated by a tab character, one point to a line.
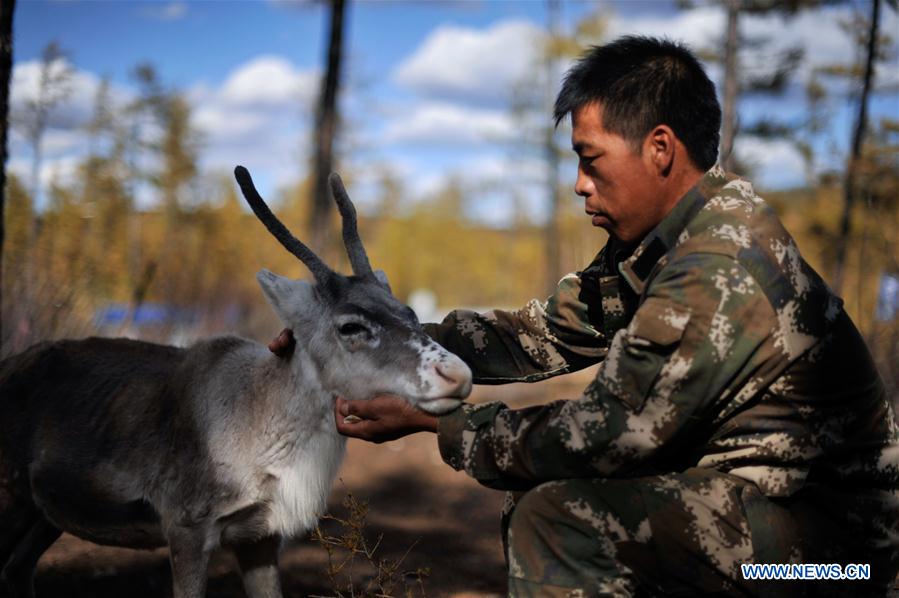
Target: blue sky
428	87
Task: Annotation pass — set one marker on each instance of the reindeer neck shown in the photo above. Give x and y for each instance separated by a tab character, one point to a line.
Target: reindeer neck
293	386
281	409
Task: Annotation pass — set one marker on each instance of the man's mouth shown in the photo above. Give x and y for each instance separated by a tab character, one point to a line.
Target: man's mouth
600	219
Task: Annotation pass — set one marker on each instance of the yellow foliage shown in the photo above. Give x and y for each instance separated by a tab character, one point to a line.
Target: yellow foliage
90	249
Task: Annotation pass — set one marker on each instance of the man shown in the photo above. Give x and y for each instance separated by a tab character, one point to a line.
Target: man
737	417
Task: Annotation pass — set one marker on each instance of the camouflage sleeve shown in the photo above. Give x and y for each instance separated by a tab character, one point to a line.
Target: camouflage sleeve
701	332
540	340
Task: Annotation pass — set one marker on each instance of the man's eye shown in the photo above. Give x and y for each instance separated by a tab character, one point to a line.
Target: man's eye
351	328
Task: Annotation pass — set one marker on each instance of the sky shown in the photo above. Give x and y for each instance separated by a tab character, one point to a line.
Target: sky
427	93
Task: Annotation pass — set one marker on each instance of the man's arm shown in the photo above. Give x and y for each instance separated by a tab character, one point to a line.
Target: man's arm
540	340
705	327
566	333
569	331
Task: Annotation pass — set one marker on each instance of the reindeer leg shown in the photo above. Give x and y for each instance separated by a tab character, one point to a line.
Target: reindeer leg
16	519
17	510
189	557
18	573
259	567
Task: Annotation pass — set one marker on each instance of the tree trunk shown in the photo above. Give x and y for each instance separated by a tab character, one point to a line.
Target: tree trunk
731	86
7	8
552	234
325	131
858	136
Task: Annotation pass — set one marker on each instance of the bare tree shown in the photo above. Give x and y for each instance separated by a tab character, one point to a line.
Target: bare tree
731	86
532	106
53	88
7	8
326	130
858	135
770	76
551	147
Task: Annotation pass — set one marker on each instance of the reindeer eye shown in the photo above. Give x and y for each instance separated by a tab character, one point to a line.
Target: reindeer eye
352	328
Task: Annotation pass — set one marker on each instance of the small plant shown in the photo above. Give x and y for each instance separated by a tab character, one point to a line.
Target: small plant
350	548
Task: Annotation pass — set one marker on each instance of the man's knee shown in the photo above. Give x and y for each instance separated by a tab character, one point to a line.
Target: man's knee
603	531
534	529
536	511
570	534
582	507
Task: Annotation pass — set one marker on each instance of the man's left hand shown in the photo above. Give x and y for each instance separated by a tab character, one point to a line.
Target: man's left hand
284	344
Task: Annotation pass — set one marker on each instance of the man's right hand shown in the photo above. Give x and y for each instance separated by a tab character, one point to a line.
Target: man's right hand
383	418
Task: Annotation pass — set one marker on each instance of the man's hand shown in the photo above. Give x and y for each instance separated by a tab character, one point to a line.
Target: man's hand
383	418
283	345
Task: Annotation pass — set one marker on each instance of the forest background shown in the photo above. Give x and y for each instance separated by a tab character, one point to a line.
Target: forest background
121	216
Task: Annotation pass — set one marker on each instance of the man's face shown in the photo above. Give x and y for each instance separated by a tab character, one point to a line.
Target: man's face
619	185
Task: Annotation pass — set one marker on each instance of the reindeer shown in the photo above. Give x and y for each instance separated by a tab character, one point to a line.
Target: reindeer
134	444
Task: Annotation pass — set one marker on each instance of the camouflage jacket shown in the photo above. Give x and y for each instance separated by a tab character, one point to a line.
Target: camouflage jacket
721	348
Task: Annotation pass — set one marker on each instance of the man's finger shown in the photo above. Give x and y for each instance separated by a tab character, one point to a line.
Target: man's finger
283	345
360	409
340	405
359	429
342	413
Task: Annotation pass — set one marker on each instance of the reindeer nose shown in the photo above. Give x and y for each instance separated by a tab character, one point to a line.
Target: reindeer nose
457	375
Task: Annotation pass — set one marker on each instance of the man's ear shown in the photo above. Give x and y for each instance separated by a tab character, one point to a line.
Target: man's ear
660	146
290	298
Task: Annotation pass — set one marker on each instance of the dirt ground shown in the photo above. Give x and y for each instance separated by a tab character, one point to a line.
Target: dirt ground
426	515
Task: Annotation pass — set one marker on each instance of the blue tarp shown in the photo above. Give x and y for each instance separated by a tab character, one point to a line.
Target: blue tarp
888	297
148	314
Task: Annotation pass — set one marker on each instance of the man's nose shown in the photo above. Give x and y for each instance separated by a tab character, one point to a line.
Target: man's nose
583	186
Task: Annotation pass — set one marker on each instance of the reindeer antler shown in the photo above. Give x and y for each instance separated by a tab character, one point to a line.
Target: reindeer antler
354	248
319	269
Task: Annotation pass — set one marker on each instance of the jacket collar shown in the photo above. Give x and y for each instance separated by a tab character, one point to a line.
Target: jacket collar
635	270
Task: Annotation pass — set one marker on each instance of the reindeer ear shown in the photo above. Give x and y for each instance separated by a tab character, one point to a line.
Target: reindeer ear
290	298
382	278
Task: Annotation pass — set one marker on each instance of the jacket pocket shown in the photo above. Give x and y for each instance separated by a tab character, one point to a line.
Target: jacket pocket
639	352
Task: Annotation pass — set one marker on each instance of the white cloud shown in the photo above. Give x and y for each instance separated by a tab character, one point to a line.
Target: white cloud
503	185
498	183
255	101
820	33
58	143
171	11
64	140
471	64
258	117
440	123
79	93
60	170
699	27
270	81
776	163
817	31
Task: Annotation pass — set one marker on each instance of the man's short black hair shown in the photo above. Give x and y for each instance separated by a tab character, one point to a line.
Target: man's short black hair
643	82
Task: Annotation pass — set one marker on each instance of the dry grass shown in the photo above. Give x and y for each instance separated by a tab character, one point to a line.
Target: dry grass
351	548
